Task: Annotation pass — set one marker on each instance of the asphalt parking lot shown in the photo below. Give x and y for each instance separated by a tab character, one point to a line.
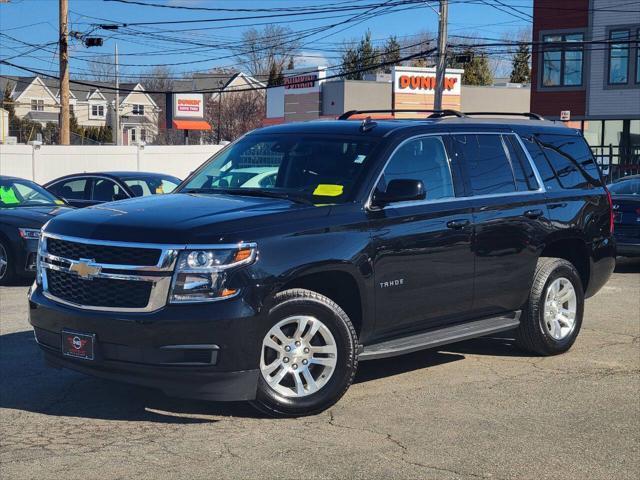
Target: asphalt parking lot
479	409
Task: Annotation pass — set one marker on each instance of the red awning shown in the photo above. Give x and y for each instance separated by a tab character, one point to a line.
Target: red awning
191	125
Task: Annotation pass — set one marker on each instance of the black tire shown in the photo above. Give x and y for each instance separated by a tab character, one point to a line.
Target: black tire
532	335
305	302
9	275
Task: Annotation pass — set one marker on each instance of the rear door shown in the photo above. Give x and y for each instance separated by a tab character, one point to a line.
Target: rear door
423	263
509	215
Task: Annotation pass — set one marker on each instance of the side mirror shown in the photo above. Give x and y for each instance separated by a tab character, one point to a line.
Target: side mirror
400	190
120	196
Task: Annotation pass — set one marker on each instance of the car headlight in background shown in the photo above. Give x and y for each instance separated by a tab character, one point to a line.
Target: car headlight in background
201	274
29	233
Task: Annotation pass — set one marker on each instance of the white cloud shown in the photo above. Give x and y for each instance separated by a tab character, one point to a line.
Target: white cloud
309	59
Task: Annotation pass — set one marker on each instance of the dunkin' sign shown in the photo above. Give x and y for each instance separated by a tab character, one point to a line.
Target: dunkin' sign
418	80
188	105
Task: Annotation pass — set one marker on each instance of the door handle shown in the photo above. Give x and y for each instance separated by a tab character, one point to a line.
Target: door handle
458	224
533	214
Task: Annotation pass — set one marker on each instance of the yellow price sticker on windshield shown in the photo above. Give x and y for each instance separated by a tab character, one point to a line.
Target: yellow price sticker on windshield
326	190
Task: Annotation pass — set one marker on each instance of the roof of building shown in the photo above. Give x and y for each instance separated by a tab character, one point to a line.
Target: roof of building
43	116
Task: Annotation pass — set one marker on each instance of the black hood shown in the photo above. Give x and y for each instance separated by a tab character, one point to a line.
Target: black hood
181	218
30	217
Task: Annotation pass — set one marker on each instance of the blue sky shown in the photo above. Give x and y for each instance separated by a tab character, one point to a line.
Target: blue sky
35	22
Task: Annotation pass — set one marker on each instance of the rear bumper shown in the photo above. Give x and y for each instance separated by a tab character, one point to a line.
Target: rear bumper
629	249
602	264
157	349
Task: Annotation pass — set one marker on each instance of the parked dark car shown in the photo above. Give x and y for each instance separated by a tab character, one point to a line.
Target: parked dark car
626	209
377	238
86	189
24	207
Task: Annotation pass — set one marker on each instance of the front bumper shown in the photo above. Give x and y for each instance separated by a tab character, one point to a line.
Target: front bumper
26	256
205	351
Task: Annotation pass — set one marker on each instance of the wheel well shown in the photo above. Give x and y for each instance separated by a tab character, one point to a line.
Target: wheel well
574	251
340	287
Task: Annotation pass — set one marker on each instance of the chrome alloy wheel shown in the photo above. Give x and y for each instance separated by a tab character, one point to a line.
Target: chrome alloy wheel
299	355
560	308
4	261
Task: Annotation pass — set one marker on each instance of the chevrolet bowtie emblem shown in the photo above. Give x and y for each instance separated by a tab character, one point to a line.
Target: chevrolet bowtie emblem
85	268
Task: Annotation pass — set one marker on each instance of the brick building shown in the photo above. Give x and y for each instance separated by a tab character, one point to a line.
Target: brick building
579	68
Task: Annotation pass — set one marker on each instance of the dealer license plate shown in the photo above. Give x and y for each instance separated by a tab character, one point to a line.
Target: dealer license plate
78	345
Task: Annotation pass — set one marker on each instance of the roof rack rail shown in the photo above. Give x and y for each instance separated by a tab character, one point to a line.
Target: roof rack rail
532	116
434	113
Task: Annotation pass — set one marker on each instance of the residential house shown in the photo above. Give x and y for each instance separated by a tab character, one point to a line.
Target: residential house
92	103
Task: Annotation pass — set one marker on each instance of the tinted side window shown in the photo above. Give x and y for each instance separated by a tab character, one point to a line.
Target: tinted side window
488	167
422	159
71	190
104	190
571	159
525	178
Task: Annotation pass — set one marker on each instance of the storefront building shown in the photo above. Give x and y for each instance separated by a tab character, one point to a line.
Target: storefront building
308	95
594	86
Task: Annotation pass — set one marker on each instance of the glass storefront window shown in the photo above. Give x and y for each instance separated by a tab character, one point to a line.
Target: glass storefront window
613	132
593	132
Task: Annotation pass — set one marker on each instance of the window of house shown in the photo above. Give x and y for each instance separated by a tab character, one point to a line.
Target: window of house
97	111
133	134
71	110
138	110
619	57
143	135
37	105
562	60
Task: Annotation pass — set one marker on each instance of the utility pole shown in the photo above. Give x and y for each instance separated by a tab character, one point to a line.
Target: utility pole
64	118
442	53
116	109
218	128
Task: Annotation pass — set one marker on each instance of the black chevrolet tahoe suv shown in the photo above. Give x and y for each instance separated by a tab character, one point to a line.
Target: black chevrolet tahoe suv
301	249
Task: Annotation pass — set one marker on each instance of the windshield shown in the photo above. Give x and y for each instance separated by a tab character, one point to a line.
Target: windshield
23	193
152	185
316	169
626	187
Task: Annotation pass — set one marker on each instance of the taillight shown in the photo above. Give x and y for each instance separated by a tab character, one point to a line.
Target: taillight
610	210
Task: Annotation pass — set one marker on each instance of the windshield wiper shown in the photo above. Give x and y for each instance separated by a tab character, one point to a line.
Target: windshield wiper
249	192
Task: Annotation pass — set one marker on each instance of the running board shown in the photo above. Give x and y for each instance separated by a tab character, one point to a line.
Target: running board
441	336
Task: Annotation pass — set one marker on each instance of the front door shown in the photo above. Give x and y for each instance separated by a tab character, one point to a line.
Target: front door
423	263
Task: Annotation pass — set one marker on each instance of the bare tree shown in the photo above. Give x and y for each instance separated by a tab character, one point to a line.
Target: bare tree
239	113
259	49
102	69
161	79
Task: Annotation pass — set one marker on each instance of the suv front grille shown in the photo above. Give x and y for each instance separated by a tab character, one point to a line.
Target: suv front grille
103	253
98	292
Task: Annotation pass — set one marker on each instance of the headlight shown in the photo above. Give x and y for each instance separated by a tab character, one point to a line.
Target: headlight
29	233
200	275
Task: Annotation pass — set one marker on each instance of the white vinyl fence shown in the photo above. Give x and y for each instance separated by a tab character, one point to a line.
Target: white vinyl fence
42	163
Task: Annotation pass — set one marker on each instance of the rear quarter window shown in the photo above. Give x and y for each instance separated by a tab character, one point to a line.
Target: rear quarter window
571	160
